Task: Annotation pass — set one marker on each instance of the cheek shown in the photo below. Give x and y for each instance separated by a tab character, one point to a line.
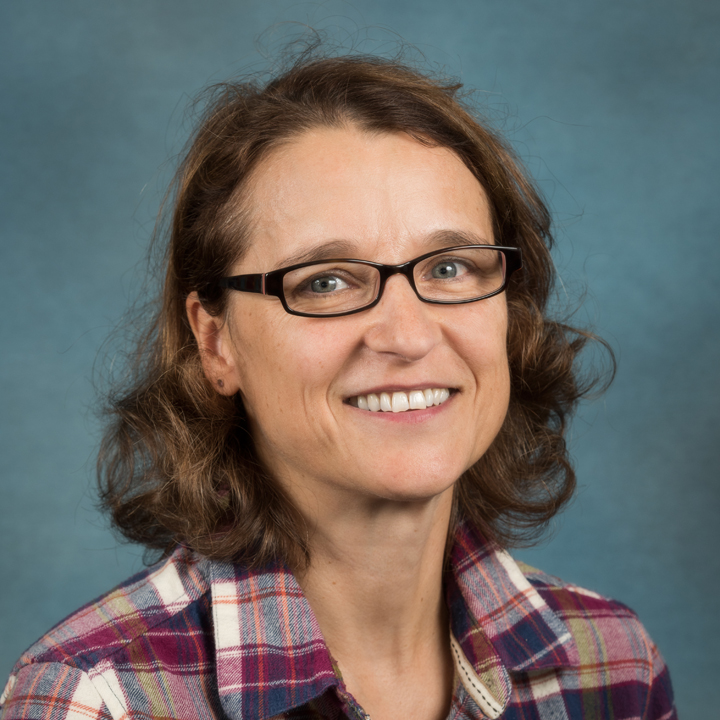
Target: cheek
286	367
485	352
260	360
498	358
493	385
287	382
483	333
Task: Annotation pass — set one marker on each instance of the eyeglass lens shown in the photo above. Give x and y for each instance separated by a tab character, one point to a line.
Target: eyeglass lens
455	276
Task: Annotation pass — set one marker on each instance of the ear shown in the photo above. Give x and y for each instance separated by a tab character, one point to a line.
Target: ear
213	340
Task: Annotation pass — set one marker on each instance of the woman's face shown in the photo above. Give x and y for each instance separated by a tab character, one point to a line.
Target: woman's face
386	198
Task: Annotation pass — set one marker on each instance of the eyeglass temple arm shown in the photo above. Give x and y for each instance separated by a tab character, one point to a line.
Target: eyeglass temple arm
254	283
513	261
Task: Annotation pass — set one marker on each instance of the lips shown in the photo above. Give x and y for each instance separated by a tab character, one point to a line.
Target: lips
401	401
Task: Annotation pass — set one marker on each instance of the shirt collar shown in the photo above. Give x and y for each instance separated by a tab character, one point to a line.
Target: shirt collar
499	622
271	655
270	652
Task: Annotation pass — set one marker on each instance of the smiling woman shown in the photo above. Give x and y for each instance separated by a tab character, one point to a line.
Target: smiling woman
351	401
388	197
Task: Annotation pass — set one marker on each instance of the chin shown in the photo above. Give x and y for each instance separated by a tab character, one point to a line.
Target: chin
413	487
413	496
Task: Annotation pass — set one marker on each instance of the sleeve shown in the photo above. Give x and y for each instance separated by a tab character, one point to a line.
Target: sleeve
51	691
660	704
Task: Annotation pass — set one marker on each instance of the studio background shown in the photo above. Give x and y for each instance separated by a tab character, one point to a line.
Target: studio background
612	105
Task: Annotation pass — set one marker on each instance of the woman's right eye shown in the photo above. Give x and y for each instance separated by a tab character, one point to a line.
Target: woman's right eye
326	284
334	281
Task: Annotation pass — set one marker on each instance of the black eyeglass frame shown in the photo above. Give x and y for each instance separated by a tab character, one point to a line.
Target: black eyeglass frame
271	283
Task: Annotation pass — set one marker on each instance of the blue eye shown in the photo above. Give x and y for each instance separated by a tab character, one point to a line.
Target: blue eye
447	269
327	284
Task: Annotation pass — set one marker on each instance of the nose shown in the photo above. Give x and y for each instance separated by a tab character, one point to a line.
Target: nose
401	323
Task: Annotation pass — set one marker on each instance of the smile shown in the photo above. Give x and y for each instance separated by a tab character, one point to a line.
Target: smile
398	402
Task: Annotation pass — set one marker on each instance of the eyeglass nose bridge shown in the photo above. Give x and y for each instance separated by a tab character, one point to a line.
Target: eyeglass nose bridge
387	271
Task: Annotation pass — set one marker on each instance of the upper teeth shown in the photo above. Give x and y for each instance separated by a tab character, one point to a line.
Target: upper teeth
401	401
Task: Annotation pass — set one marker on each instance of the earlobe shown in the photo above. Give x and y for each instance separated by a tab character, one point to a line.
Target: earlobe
211	335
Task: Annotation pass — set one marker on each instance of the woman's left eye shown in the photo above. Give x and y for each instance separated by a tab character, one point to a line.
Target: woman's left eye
447	269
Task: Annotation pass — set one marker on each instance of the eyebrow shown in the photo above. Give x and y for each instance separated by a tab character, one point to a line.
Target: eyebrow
345	248
332	249
450	238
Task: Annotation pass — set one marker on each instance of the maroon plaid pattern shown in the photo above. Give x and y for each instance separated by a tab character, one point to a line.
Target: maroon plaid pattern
195	639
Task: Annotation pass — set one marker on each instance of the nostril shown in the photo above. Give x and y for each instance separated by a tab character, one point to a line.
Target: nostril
401	324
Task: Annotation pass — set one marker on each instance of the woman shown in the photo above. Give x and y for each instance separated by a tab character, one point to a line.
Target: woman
350	400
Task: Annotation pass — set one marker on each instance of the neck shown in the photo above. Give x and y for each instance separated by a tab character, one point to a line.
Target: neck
375	586
379	567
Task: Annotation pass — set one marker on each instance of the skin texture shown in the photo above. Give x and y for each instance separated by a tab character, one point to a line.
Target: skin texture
375	488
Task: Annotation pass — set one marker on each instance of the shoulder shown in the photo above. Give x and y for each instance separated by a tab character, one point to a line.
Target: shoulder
129	612
83	662
592	619
570	601
613	650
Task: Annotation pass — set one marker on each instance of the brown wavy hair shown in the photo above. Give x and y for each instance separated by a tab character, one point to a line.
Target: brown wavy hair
177	462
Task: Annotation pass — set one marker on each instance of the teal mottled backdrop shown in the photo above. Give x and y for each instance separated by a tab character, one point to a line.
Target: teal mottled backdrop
614	107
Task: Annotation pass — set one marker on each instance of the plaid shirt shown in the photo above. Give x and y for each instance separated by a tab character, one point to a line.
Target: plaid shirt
195	639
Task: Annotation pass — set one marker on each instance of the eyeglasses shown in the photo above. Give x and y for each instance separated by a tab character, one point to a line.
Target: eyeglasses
332	288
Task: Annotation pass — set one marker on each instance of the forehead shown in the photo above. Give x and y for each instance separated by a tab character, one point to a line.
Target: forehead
384	197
